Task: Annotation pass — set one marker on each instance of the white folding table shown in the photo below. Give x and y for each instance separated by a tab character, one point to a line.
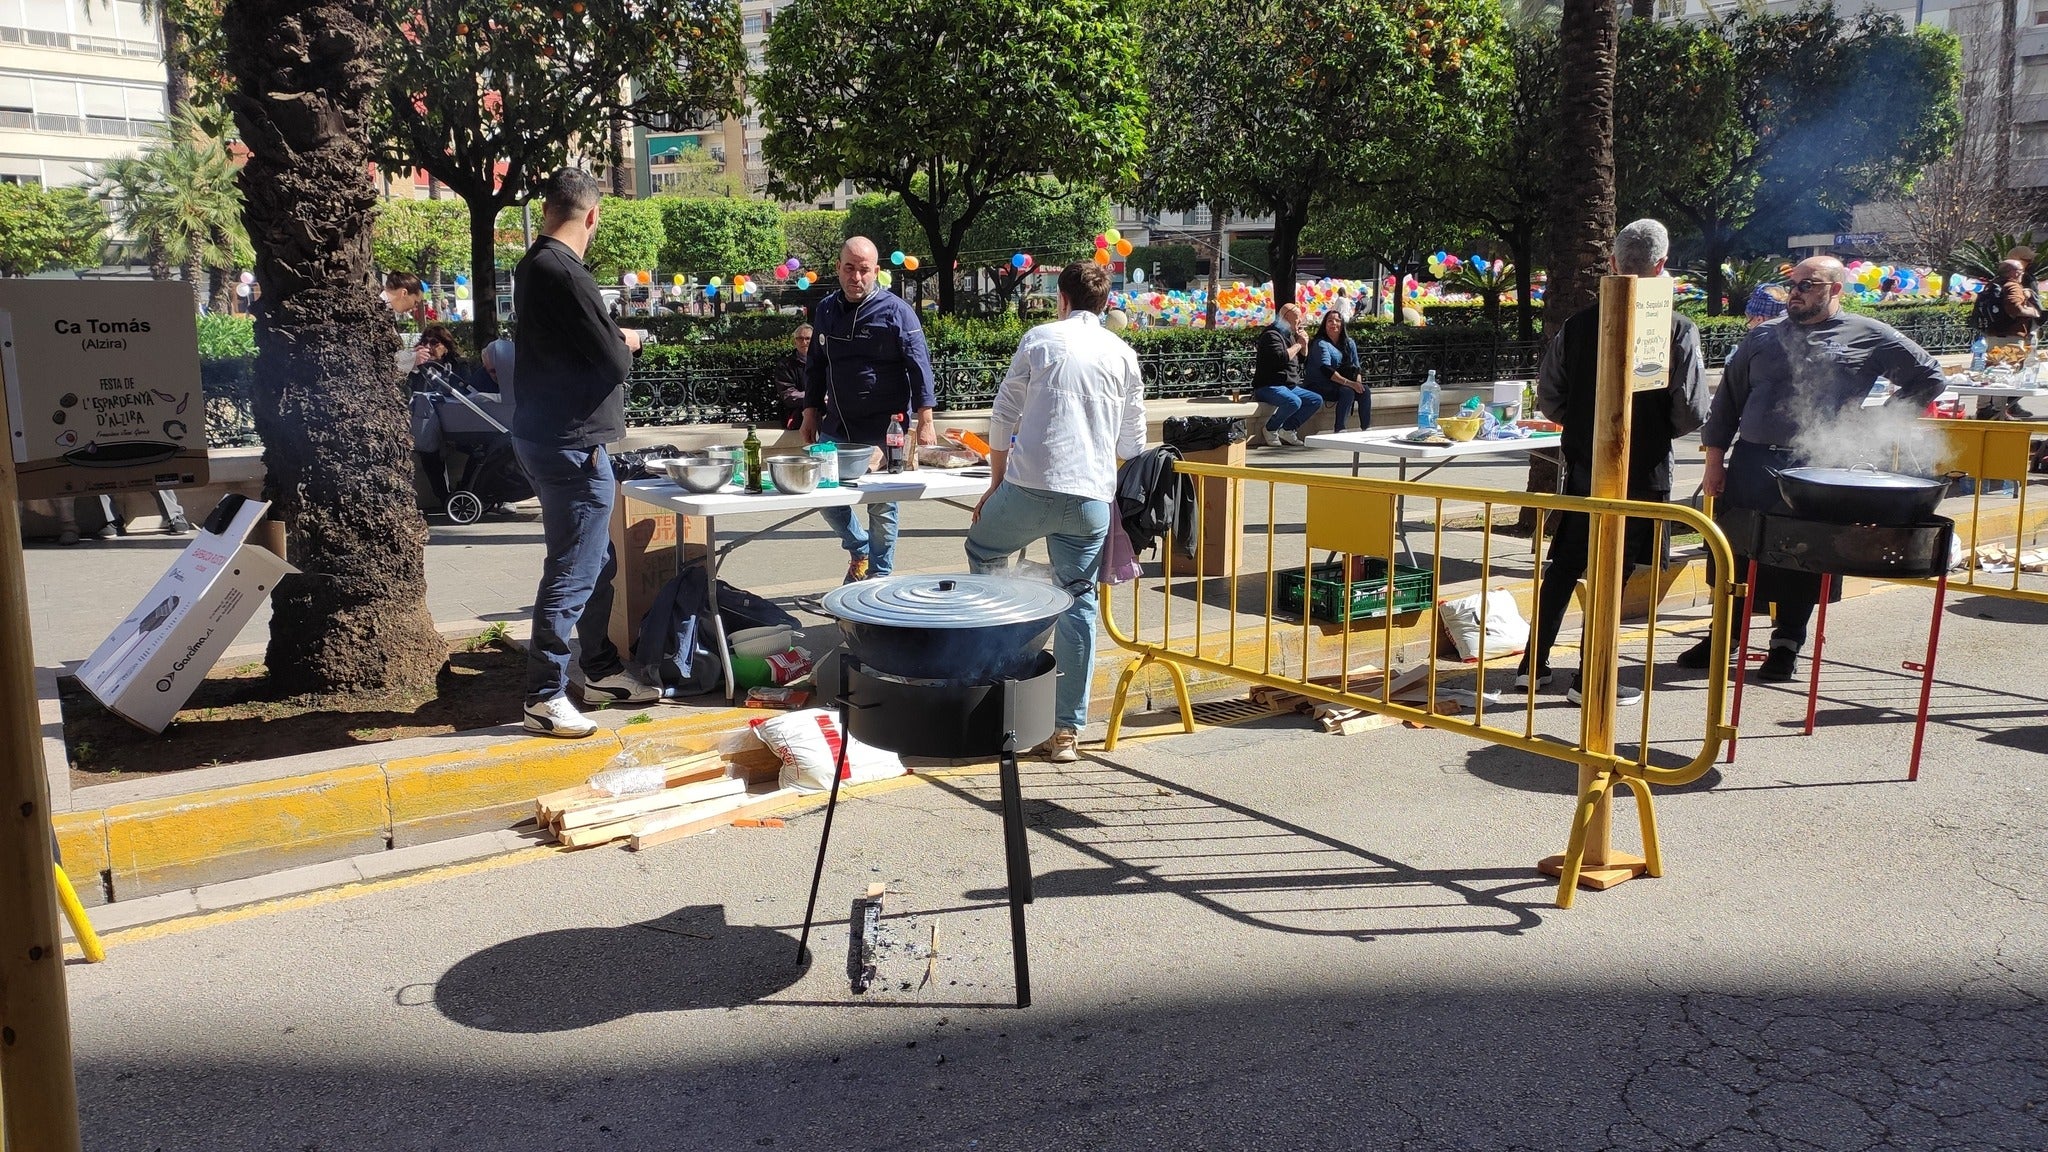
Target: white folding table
951	486
1387	442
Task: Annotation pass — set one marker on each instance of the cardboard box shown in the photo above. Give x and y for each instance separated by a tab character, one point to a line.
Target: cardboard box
150	666
650	542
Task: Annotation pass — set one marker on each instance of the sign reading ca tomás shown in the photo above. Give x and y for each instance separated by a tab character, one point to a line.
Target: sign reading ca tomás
102	383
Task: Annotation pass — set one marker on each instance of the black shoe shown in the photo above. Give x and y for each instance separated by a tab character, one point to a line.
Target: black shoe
1623	694
1542	677
1779	666
2014	411
1696	657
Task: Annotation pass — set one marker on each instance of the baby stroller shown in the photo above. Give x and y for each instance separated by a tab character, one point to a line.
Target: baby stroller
476	424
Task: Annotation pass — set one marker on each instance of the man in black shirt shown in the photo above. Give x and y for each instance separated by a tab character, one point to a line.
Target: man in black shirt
571	361
1566	388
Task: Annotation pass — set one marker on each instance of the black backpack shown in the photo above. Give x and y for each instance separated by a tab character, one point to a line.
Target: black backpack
1989	307
1152	498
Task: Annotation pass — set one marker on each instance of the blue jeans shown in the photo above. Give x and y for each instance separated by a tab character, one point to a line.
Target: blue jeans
1292	407
1346	400
1074	529
877	543
575	489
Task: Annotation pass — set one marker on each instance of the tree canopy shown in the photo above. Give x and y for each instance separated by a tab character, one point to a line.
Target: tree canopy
421	236
952	102
1352	97
42	229
721	236
1828	111
488	97
630	234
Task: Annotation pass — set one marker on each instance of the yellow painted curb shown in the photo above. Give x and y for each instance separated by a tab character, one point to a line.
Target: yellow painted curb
82	842
451	794
229	833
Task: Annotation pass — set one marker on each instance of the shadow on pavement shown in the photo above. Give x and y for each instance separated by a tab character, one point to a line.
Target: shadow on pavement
2000	609
575	978
1149	836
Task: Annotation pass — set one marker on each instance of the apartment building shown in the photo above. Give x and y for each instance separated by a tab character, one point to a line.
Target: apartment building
79	85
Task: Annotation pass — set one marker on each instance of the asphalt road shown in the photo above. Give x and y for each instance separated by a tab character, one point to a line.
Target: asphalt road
1253	937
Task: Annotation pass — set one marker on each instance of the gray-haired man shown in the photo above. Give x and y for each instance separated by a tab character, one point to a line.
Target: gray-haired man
1565	393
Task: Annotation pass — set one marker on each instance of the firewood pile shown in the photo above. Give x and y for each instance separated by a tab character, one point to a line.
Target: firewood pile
1338	719
700	791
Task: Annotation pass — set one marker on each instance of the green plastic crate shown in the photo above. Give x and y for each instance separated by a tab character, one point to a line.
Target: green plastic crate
1414	589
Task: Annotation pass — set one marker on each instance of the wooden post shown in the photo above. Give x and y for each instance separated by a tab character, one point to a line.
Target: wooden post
1602	867
38	1097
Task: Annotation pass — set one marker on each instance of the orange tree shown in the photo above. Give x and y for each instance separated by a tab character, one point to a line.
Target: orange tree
489	98
951	104
1273	106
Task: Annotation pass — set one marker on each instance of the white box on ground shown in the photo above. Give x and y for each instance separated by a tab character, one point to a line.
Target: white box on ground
149	667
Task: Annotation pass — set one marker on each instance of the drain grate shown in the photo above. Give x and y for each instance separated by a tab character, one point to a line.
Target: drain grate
1235	710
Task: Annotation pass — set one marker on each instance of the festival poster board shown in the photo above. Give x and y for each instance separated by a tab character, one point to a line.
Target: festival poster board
1649	359
102	386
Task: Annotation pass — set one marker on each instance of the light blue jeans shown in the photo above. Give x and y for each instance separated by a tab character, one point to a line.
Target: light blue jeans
1292	407
1074	529
877	543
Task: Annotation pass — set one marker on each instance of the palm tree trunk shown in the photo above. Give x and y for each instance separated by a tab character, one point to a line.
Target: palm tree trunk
195	279
2008	63
1584	226
336	436
177	49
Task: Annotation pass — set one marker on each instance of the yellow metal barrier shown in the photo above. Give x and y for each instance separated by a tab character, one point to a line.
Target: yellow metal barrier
1989	452
1350	517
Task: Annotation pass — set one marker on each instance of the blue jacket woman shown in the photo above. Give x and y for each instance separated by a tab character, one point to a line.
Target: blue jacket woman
1332	371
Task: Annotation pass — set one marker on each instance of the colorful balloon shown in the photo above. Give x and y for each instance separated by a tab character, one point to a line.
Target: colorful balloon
1124	248
910	263
1018	261
896	257
1102	256
792	263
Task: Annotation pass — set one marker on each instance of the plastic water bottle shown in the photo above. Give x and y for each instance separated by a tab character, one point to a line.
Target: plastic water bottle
1978	349
1425	408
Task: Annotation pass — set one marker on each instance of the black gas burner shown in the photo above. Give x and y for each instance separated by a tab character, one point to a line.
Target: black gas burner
953	719
1878	551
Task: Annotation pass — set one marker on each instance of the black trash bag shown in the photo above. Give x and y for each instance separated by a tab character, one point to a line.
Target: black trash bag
634	465
1201	433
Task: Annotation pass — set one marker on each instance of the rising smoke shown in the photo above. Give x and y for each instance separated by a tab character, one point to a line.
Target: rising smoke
1890	438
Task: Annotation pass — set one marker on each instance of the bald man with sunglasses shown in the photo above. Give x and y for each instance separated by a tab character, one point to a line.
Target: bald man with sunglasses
1791	394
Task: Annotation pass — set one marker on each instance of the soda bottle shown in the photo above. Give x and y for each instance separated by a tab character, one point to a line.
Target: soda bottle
750	449
1425	407
894	443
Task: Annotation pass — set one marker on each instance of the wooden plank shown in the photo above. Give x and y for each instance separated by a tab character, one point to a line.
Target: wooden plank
687	770
595	834
585	815
755	806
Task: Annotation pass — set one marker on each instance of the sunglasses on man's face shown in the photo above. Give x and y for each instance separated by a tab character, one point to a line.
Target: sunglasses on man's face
1810	284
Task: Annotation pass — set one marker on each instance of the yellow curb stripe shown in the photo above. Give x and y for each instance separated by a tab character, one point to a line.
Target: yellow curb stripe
165	928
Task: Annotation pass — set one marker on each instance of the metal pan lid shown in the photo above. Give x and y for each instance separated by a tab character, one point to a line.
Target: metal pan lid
949	601
1862	478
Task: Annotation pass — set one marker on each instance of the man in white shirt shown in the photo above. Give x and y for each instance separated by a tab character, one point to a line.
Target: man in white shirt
1070	406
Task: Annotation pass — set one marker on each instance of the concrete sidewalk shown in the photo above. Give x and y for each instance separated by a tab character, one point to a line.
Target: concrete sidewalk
1253	937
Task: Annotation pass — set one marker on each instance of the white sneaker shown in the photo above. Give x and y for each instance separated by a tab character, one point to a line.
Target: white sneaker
558	717
621	687
1623	694
1292	439
1062	748
1273	438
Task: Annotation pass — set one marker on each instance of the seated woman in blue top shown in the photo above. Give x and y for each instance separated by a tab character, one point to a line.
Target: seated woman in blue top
1331	371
